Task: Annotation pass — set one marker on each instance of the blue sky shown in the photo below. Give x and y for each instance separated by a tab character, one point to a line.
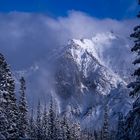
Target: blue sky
117	9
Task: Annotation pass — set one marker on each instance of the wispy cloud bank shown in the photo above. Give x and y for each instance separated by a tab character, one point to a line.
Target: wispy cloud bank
28	39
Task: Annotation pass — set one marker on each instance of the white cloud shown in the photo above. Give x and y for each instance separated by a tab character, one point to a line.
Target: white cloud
27	39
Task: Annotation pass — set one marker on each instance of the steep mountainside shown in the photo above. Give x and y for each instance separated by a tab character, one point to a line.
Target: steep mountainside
86	82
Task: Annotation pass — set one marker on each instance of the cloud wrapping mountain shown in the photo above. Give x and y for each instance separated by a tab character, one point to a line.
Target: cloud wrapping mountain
30	42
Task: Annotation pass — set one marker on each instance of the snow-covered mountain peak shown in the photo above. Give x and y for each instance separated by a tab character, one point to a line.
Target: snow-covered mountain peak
84	79
108	49
94	46
86	54
82	57
86	45
80	48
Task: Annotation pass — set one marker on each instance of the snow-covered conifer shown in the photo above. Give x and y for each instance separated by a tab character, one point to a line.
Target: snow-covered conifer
38	122
105	131
22	109
121	128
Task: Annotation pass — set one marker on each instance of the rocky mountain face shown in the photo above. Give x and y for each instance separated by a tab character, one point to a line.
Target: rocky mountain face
87	80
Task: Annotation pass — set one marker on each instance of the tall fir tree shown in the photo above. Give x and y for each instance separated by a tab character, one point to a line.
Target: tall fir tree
88	134
133	118
52	130
3	122
32	127
23	110
136	48
75	131
45	123
8	99
113	134
96	135
121	128
58	128
66	129
38	122
105	130
3	117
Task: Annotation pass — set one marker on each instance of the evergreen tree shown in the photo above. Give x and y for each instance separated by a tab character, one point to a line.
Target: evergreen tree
87	134
113	134
99	135
38	122
75	131
52	130
58	128
32	127
136	48
3	117
45	123
66	128
95	135
3	124
121	128
105	130
23	118
133	118
82	135
8	99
